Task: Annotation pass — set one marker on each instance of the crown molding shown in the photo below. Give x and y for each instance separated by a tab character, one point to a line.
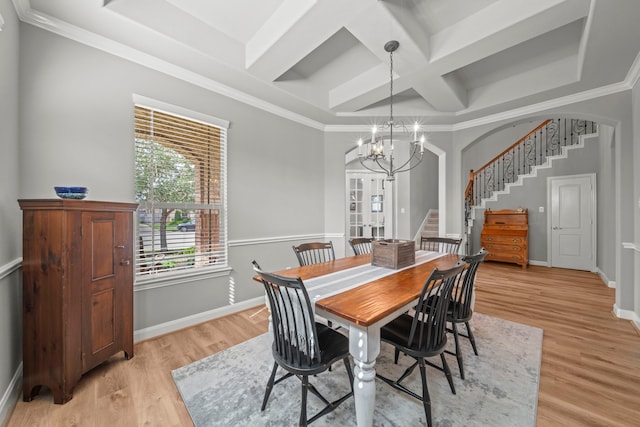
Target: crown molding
367	128
516	112
62	28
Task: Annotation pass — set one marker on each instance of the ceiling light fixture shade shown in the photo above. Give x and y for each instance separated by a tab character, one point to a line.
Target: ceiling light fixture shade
373	155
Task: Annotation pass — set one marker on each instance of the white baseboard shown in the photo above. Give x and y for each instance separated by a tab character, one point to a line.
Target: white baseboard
11	396
627	315
540	263
185	322
605	279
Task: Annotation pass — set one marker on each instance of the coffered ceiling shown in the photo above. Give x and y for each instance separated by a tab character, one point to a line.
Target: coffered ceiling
324	60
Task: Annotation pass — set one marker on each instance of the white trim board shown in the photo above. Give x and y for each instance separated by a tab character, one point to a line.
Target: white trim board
194	319
627	315
11	395
10	268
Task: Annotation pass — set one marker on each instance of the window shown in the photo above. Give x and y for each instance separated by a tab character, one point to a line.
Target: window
180	188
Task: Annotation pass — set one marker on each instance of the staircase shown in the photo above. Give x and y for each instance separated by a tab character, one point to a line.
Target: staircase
431	227
550	140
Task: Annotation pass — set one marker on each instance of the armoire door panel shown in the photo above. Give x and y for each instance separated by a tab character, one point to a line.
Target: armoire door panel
102	320
100	287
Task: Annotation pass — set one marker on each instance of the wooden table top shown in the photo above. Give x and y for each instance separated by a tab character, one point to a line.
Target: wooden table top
373	301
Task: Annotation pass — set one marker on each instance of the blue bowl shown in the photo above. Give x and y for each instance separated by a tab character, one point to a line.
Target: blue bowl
77	193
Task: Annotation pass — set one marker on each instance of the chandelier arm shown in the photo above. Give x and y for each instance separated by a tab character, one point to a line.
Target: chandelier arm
389	172
364	165
413	154
411	167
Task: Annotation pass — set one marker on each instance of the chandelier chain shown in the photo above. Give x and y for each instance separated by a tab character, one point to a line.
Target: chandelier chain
391	85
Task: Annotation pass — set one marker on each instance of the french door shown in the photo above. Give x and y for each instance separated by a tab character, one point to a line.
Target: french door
368	205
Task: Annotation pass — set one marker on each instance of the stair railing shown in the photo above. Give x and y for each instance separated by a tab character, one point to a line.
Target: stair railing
547	139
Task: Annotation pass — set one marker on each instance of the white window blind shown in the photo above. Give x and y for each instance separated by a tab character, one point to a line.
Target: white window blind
181	190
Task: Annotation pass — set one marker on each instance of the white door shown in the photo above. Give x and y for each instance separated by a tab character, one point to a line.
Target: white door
368	207
572	222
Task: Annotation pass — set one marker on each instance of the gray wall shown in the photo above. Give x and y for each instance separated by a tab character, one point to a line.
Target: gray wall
483	150
533	194
636	198
10	217
605	181
76	105
73	125
424	191
614	110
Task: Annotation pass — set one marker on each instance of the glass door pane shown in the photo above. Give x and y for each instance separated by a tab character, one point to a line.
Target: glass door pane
366	208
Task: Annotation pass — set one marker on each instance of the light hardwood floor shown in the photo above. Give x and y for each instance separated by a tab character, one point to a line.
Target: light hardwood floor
590	372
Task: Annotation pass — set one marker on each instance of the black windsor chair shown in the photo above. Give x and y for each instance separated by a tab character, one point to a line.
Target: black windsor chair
424	334
459	310
301	346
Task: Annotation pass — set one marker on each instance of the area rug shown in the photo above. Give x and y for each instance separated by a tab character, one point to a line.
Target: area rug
500	389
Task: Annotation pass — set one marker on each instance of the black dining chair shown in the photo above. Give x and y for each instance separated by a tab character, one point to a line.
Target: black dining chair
423	334
459	310
314	253
440	244
301	346
361	245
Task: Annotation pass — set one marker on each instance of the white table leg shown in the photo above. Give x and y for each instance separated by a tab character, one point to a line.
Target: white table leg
364	346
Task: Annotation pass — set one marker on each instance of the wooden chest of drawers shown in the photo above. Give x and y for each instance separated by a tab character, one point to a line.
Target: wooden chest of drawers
505	236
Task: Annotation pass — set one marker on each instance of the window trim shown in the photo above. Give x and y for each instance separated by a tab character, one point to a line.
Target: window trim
189	275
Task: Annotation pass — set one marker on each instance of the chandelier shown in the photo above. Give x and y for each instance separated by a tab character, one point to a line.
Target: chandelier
377	157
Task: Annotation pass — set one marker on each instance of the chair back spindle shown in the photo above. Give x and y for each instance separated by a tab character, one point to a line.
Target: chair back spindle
361	245
440	244
293	325
314	253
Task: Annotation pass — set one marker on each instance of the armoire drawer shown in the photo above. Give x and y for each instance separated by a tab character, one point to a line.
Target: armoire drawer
501	248
505	236
487	238
506	257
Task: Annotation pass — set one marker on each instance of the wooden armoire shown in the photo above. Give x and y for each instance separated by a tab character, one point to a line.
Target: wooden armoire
77	274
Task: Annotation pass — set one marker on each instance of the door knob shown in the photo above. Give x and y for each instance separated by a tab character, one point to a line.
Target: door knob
557	228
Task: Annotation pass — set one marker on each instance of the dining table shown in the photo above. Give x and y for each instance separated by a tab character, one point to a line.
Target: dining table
361	297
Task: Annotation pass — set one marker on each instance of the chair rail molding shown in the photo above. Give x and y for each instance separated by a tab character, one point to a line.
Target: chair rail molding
10	267
274	239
